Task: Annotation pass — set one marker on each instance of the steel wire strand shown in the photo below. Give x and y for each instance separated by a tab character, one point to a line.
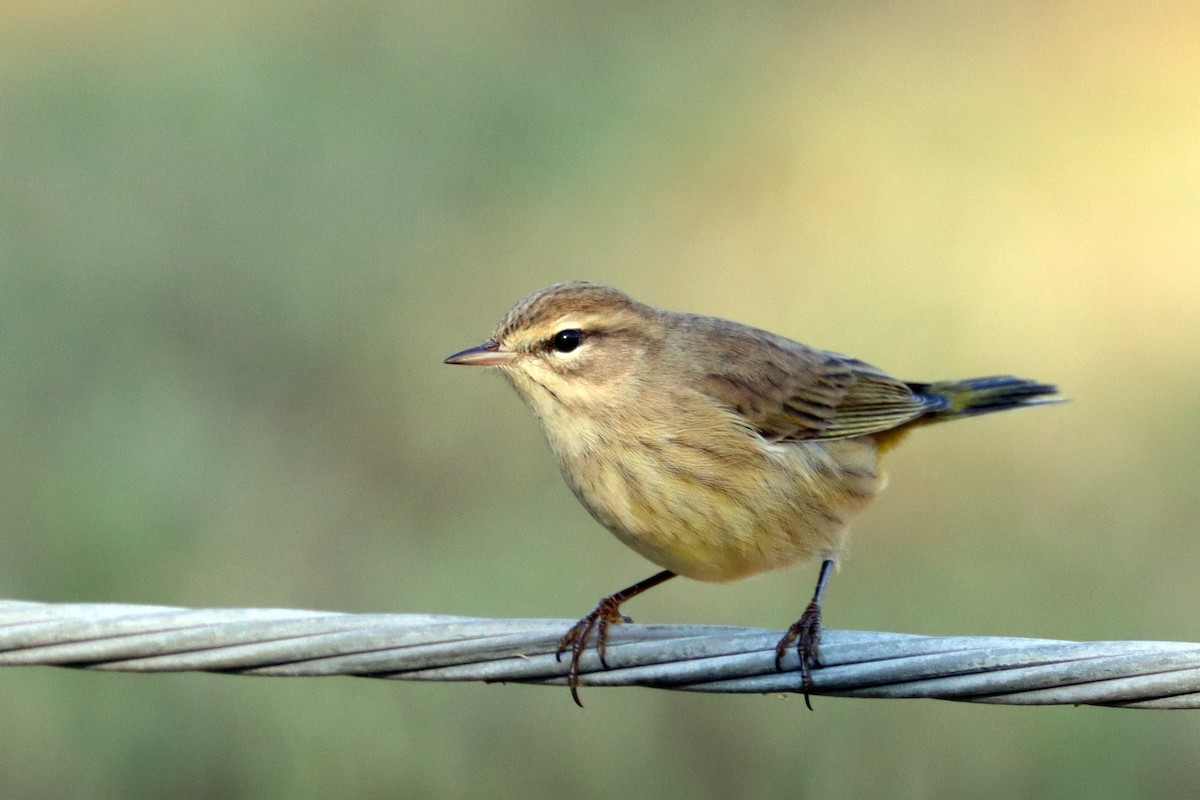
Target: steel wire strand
282	642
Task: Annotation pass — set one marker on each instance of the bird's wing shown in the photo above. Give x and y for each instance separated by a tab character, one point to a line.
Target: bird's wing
788	391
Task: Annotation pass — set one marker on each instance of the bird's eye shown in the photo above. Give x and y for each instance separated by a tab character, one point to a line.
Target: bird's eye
566	341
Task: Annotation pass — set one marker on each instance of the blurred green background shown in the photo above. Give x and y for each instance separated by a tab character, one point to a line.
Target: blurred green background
237	239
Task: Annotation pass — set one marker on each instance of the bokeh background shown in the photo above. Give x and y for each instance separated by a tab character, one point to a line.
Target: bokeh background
237	239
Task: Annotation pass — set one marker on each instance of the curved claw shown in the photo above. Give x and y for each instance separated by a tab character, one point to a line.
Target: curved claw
606	613
805	634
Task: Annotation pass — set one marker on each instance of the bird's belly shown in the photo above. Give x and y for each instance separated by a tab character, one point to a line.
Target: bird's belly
712	518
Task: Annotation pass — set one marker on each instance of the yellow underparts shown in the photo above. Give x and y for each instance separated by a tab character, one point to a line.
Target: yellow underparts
888	439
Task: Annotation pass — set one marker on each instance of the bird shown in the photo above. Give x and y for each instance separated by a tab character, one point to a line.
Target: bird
714	449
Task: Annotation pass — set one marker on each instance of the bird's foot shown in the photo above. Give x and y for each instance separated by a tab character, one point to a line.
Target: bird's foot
606	613
804	634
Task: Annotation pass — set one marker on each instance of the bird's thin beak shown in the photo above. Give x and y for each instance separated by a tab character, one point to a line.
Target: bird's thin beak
487	354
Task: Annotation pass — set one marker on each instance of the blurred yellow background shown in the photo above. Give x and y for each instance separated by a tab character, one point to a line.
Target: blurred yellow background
237	239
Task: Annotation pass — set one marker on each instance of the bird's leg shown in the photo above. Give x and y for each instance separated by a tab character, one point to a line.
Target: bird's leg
607	612
805	633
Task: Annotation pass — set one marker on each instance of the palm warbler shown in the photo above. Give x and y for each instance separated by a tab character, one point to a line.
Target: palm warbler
714	449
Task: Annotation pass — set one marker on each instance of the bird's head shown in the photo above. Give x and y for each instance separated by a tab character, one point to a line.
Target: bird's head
571	346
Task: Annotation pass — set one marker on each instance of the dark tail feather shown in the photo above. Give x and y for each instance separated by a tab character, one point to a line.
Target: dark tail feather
984	395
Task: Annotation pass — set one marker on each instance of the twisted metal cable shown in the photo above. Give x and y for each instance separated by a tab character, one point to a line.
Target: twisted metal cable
280	642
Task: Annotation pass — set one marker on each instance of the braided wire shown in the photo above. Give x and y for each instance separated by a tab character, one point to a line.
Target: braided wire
281	642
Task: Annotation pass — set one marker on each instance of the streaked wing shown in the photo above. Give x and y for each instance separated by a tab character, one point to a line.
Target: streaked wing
788	391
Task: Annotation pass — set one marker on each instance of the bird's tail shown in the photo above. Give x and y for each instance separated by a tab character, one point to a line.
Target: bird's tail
984	395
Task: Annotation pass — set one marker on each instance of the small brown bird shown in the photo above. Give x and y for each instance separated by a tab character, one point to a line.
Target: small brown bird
714	449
